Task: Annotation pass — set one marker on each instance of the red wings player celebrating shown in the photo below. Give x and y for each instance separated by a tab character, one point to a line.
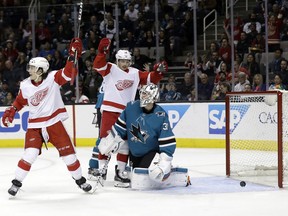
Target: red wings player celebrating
120	86
41	92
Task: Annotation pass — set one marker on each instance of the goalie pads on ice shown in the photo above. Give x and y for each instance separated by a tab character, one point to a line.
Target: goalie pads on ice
111	144
140	179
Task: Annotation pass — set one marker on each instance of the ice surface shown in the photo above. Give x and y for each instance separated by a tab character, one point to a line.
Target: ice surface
49	190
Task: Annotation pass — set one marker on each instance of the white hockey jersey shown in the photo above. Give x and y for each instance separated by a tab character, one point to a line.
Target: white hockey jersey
45	103
120	87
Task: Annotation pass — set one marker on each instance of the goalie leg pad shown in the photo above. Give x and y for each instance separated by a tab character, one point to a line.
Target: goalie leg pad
140	179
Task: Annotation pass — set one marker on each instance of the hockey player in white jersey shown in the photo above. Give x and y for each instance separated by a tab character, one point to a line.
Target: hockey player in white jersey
41	93
146	127
120	86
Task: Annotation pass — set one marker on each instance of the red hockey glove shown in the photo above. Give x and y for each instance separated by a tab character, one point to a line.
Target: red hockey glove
75	46
8	116
104	46
161	67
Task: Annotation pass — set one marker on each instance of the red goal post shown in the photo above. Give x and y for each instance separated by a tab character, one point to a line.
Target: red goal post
257	137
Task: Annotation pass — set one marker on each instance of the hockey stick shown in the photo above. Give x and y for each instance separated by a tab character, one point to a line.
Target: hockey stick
102	172
78	34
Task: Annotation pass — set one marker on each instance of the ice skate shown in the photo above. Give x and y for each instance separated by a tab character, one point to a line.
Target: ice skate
121	179
15	187
83	185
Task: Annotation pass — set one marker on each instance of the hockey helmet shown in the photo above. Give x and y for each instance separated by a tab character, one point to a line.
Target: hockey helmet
39	62
148	94
123	54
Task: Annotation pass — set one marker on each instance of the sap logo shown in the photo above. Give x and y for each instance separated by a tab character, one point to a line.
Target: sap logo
217	117
20	122
175	112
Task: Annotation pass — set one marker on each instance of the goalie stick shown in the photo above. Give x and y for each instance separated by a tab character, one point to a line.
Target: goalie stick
102	172
77	33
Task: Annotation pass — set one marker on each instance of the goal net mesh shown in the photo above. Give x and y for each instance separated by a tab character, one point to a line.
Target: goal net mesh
253	137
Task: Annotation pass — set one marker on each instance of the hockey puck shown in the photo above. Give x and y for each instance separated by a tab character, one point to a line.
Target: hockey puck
242	183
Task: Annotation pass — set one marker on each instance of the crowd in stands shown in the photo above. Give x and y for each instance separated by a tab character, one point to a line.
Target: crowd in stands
137	30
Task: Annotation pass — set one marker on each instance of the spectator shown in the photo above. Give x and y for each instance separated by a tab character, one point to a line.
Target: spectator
223	67
9	99
277	83
43	34
4	91
128	41
47	50
242	82
92	81
243	44
10	52
172	94
140	59
274	30
210	67
258	84
132	13
224	88
258	44
58	61
186	85
204	88
216	89
252	66
274	65
248	88
283	71
225	51
192	95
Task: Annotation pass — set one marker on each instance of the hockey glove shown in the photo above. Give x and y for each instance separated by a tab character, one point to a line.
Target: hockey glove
161	67
111	144
8	115
75	49
104	46
160	170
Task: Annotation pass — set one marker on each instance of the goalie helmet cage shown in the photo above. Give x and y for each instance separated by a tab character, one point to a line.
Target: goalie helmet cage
257	137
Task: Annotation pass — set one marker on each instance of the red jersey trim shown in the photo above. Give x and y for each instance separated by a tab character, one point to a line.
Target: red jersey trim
42	119
116	105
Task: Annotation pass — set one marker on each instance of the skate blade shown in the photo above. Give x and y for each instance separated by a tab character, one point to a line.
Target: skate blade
121	185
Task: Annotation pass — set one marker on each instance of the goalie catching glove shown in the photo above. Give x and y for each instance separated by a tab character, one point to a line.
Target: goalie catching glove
160	170
112	143
8	115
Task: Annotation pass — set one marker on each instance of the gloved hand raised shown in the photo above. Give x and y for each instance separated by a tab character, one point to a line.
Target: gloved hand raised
161	67
8	116
104	46
75	47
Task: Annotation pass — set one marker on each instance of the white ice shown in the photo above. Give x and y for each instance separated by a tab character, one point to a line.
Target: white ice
49	190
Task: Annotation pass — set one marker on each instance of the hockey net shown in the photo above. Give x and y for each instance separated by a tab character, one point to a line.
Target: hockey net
257	137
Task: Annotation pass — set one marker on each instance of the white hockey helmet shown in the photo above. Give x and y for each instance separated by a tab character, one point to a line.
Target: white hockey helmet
123	54
148	94
39	62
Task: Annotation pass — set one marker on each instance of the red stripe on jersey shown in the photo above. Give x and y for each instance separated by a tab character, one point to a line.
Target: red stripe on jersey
20	102
74	166
24	165
116	105
122	157
42	119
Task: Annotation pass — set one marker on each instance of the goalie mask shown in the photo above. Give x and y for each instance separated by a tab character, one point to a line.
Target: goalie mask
34	65
148	94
